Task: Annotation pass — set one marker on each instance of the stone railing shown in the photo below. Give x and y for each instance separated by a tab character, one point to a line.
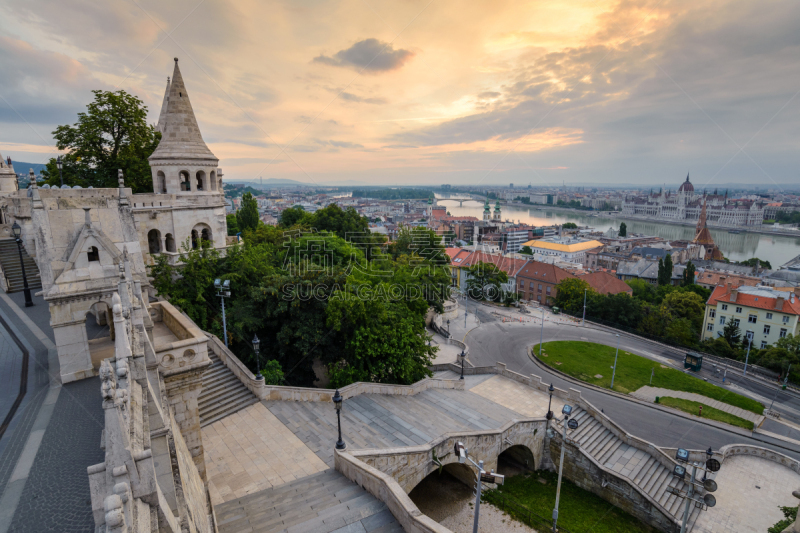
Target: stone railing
303	394
730	450
386	489
189	351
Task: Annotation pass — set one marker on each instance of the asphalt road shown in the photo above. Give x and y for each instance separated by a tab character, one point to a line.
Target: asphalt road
509	343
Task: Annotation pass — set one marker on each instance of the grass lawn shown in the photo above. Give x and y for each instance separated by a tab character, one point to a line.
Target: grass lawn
693	408
578	510
586	360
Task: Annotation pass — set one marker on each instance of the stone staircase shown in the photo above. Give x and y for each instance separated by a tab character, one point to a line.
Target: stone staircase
638	466
9	261
321	503
223	394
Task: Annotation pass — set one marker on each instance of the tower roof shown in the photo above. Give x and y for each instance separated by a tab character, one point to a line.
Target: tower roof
686	186
181	138
162	118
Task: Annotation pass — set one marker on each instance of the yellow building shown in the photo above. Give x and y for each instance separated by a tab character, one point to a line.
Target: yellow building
565	248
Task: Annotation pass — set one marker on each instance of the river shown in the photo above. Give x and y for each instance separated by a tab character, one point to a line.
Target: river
736	247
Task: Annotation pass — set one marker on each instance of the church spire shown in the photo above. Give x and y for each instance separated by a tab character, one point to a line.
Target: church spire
181	138
162	118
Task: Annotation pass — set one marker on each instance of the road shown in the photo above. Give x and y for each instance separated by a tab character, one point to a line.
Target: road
509	343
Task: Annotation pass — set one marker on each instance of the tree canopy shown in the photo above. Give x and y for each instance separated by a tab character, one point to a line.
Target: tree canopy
247	215
112	134
623	229
485	280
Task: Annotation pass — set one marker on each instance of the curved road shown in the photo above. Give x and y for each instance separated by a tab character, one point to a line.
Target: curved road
509	343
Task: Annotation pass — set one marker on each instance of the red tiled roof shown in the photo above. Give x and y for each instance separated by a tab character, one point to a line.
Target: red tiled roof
508	265
722	294
605	283
544	272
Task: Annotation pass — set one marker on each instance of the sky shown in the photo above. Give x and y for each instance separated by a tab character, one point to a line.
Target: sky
429	92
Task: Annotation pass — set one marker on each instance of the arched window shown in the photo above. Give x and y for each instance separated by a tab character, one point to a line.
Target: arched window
93	254
154	241
194	239
161	183
185	184
170	242
201	178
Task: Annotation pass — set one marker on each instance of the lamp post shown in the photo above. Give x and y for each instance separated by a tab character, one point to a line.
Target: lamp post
550	401
17	230
337	403
463	358
223	291
465	316
566	410
59	164
541	335
614	373
256	344
583	321
747	357
462	454
448	328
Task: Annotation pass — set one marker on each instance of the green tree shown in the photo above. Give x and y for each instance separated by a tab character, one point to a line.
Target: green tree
569	294
654	320
686	305
623	230
484	281
273	373
790	343
247	215
526	250
689	274
680	331
112	134
292	216
732	334
642	290
232	223
569	225
665	270
752	263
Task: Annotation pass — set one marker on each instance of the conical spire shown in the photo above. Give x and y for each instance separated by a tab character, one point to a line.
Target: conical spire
162	118
181	138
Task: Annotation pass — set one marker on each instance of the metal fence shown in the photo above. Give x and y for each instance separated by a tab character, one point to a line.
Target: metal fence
520	511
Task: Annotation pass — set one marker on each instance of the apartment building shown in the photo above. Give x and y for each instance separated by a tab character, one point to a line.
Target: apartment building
764	313
538	281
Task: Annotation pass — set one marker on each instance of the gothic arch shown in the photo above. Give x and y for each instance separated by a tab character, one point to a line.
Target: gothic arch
213	177
185	182
201	180
161	183
154	241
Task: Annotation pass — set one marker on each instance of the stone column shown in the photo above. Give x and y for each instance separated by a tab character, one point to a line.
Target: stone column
183	390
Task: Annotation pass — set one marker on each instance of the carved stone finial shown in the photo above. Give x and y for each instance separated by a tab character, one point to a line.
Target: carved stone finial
120	178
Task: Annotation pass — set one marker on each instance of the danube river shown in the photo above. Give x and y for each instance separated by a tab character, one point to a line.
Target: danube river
736	247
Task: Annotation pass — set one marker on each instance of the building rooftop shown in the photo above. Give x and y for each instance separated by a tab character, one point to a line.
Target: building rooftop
563	244
759	297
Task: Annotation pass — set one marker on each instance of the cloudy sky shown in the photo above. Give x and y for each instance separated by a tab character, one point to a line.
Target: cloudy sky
430	91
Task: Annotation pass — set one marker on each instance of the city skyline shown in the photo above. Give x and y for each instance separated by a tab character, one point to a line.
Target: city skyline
609	93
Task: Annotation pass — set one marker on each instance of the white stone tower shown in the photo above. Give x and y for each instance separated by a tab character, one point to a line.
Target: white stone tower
8	178
182	164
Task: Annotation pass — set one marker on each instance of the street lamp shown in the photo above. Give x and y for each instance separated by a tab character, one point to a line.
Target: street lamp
17	230
483	477
59	165
256	344
541	335
337	403
223	291
679	472
573	424
583	322
550	389
747	357
463	358
614	373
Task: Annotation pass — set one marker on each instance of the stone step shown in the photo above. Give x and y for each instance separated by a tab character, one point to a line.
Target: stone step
594	431
228	404
608	453
598	442
609	444
225	381
660	483
223	394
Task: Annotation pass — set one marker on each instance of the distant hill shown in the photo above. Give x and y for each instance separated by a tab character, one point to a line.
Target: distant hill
21	167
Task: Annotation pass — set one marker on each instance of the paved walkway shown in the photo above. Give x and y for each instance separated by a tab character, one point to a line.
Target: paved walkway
448	353
750	491
649	394
251	450
516	396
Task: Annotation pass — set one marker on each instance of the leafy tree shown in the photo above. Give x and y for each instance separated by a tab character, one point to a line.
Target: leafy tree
689	274
681	332
777	358
273	373
642	290
654	320
112	134
569	225
686	305
719	346
484	281
345	223
247	215
292	216
732	334
665	270
526	250
790	343
623	230
789	513
232	223
752	263
569	294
